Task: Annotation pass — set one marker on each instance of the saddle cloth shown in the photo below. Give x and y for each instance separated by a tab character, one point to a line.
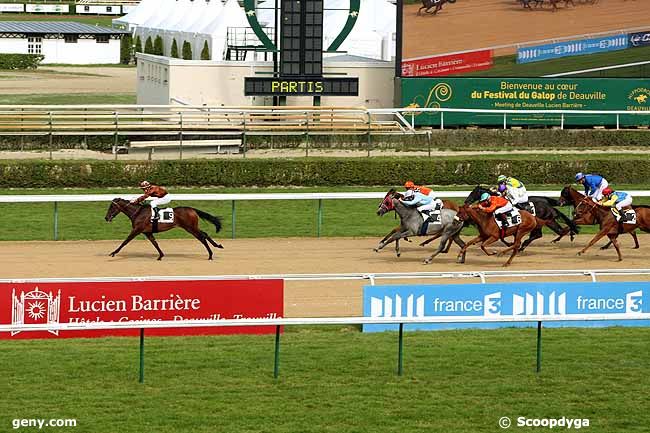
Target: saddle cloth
433	218
628	216
166	215
513	217
528	207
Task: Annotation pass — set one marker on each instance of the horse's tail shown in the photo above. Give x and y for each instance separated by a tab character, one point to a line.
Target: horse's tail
573	226
207	217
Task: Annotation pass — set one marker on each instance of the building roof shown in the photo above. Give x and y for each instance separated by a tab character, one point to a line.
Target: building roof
352	59
55	27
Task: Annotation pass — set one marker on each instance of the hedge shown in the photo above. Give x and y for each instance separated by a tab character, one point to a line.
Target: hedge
20	61
317	171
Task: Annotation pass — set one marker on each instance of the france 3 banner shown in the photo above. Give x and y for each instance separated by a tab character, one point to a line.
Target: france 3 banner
505	299
85	302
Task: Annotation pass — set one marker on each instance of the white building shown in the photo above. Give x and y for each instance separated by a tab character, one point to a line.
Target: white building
62	41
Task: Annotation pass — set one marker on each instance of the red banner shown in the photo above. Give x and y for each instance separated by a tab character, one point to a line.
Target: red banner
79	302
448	64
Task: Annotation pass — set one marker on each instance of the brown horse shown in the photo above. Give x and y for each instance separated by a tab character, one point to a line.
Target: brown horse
569	195
446	204
427	5
590	212
489	231
186	218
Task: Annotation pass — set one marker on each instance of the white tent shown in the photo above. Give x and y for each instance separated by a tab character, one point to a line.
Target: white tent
132	20
173	29
215	32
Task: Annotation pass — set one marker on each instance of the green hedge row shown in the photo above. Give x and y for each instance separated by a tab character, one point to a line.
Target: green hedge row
20	61
316	171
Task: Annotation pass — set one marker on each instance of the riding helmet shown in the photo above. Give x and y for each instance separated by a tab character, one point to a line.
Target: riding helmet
409	184
145	184
579	176
485	196
608	191
501	178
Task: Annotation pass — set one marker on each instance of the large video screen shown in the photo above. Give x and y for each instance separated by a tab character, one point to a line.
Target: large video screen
526	38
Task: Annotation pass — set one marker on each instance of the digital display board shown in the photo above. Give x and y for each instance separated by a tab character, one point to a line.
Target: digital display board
525	39
273	86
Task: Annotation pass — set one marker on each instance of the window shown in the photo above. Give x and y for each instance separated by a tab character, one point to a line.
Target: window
109	8
34	45
71	39
101	39
86	8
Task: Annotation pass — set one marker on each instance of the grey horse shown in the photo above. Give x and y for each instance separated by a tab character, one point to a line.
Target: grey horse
411	225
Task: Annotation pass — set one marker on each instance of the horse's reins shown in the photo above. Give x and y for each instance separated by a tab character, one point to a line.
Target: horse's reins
122	209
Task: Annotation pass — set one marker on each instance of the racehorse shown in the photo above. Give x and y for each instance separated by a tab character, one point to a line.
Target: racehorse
590	212
446	204
526	3
544	209
412	225
572	197
429	4
489	231
186	218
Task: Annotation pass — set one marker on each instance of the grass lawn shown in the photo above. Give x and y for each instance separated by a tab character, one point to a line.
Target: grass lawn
506	66
85	221
93	20
68	98
332	380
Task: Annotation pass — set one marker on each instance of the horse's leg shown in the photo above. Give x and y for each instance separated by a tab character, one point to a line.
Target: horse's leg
536	233
198	234
428	241
467	245
445	235
155	244
459	241
128	239
612	238
487	242
515	247
596	238
392	238
212	241
636	240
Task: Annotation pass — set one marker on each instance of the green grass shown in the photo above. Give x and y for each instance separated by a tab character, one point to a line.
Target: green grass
68	98
506	66
272	218
332	380
105	21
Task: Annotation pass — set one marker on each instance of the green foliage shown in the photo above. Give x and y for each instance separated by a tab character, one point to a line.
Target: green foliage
20	61
158	48
174	52
187	51
205	52
148	46
126	49
540	169
138	44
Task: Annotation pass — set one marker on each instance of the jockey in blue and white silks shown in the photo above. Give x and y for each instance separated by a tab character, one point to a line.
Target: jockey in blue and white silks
423	202
594	185
617	200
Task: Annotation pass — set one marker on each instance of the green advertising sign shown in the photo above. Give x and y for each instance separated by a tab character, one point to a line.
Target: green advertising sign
614	94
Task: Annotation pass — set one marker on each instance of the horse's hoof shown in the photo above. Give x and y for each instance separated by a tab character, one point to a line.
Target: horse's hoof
112	254
579	254
426	262
375	250
635	248
220	246
505	265
160	258
399	254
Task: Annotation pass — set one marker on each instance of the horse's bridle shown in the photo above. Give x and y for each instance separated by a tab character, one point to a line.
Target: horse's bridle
125	209
589	203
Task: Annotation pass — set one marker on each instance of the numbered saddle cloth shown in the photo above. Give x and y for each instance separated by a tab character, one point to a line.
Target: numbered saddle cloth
628	216
166	215
513	217
432	218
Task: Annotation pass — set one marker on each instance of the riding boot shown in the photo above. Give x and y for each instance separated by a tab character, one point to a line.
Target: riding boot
156	214
504	225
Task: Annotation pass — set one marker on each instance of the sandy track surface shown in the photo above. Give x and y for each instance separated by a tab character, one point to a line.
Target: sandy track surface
52	79
474	24
293	256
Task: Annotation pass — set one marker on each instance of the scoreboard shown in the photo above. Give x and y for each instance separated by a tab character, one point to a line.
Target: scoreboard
326	86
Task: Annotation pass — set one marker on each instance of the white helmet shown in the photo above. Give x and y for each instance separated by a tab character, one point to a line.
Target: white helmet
145	184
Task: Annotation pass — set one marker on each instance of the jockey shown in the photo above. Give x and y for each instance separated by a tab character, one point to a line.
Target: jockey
594	185
617	200
159	194
423	202
411	186
499	205
513	189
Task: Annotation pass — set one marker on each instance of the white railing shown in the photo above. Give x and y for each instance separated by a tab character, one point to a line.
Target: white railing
234	198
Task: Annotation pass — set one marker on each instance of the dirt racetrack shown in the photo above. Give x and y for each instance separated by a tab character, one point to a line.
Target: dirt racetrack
20	260
474	24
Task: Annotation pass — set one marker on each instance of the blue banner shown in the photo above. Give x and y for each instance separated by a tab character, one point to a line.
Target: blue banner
506	299
639	39
572	48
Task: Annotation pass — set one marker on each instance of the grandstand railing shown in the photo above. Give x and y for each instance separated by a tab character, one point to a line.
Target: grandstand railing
234	198
278	323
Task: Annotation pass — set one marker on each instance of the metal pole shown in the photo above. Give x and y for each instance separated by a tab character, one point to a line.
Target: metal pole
429	143
56	221
539	346
400	352
306	134
243	139
505	120
442	120
562	121
319	222
50	113
180	137
233	211
618	121
369	143
276	364
141	380
115	140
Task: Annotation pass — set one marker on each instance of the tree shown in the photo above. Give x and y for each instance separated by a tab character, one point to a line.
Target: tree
175	50
138	44
187	51
205	52
148	46
158	48
126	49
